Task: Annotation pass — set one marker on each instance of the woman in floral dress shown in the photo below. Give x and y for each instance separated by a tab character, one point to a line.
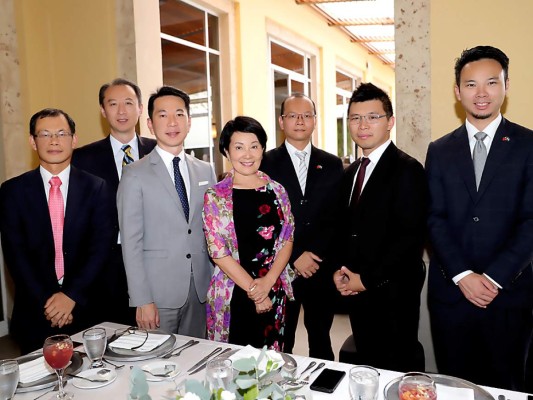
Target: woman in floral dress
249	229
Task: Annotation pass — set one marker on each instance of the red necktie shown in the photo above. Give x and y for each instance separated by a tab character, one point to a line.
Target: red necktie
359	180
57	216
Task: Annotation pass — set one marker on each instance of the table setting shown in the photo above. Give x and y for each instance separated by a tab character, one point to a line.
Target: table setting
116	361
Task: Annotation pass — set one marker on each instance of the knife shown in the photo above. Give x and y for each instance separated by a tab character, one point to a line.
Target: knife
216	351
204	364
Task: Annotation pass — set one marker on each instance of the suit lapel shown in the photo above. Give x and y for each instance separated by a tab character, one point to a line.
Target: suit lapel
314	173
161	172
461	159
292	184
498	151
109	167
380	174
35	191
143	148
75	196
194	179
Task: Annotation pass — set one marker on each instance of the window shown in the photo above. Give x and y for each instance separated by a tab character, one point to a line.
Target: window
291	73
346	84
191	62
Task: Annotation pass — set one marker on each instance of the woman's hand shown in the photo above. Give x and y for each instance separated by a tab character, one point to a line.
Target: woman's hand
259	289
263	307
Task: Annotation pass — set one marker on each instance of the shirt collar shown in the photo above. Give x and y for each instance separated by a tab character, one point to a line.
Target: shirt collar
116	145
490	129
292	150
168	157
63	175
377	153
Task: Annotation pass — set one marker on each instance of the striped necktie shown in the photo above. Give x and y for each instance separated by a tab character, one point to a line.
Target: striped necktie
302	169
56	206
128	158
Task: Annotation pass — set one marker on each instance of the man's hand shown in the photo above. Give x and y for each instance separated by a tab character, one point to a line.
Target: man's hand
264	306
58	309
478	289
307	264
147	316
259	289
347	282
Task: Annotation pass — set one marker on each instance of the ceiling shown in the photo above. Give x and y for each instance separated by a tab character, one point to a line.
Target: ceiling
367	22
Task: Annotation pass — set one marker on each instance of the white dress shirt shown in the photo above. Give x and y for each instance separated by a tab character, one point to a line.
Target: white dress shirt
168	160
295	160
118	154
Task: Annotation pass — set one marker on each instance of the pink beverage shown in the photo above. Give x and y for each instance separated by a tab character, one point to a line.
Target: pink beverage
58	355
417	392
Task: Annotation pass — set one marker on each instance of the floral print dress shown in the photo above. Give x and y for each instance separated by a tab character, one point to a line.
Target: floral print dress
258	223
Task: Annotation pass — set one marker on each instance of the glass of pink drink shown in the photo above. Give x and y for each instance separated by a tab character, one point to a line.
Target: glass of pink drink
417	386
57	352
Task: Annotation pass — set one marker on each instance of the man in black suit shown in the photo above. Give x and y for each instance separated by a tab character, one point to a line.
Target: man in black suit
121	105
57	230
481	228
384	197
312	179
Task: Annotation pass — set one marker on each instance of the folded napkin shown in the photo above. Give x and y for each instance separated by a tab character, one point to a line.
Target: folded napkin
129	341
34	370
452	393
270	356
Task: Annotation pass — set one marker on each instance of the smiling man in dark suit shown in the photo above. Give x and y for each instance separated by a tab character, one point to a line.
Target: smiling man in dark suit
481	227
121	105
56	225
384	198
312	179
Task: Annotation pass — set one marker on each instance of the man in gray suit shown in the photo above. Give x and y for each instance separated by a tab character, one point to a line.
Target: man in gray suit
160	201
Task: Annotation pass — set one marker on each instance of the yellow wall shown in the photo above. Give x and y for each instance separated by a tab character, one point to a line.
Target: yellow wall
67	50
459	24
278	16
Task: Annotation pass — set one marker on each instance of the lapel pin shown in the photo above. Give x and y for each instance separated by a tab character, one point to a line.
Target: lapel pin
506	139
319	166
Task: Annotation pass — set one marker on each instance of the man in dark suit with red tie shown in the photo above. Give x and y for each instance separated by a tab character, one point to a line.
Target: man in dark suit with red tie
56	224
312	179
481	228
384	200
121	105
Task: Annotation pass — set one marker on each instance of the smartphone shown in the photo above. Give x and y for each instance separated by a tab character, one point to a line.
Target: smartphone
328	380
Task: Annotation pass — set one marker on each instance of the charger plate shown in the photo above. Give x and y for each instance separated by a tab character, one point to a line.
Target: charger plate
132	355
76	362
391	389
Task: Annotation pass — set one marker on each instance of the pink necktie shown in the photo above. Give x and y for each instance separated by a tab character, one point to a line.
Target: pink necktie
57	216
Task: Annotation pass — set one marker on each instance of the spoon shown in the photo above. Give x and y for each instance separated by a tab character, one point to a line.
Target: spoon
54	389
311	365
180	349
87	379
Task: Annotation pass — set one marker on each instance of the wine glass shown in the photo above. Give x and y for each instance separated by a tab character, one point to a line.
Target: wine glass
94	342
9	378
57	352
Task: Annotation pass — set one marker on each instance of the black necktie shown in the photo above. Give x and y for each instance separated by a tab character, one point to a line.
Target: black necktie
180	187
359	181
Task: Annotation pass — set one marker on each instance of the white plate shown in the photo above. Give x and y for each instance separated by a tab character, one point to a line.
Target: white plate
158	367
93	374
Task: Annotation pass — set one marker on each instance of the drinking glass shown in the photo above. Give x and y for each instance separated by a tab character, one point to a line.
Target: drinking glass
364	383
219	373
57	352
9	378
94	342
417	385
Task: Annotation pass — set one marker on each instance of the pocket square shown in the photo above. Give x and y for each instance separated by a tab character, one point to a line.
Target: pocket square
203	183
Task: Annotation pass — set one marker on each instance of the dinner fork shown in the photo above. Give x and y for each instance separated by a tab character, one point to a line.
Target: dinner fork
87	379
187	345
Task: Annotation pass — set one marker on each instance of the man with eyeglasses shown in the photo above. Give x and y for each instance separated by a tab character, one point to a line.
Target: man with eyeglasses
384	201
56	224
121	105
312	179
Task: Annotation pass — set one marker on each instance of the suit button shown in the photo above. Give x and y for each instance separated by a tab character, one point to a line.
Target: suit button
189	231
307	224
188	256
475	219
303	202
354	234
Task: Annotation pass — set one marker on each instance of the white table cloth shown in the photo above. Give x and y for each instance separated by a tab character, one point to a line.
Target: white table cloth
165	389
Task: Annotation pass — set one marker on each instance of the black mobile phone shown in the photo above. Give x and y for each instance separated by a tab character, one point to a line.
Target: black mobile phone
328	380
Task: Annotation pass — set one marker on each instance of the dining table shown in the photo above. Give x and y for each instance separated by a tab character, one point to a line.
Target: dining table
166	388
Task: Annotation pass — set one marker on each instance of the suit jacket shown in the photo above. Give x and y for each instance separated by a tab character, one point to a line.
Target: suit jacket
315	213
159	247
489	230
384	235
28	244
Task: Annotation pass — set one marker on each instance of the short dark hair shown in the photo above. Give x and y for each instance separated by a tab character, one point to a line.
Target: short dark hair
296	96
369	91
119	82
480	53
168	91
241	124
51	112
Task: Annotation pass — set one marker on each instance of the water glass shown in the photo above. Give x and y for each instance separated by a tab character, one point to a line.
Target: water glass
94	342
364	383
417	385
9	378
219	373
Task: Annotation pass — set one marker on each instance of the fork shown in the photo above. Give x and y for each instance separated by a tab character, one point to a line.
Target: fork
87	379
319	366
181	349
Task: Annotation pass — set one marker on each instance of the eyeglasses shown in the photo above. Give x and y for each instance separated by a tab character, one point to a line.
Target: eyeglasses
49	135
371	119
294	116
137	334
